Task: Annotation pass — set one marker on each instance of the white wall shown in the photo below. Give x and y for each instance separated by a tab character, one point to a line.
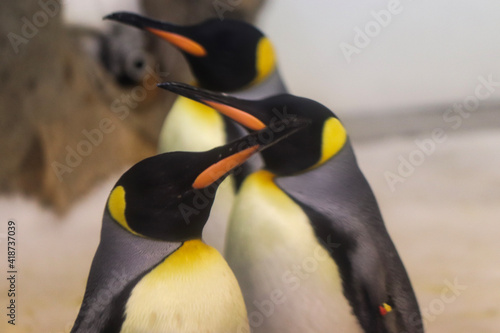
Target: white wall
90	13
431	52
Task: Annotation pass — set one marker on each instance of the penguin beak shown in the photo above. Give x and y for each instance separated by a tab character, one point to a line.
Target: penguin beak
217	170
238	152
173	34
239	110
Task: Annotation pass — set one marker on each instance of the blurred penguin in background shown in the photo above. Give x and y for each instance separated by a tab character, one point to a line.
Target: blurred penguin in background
70	125
226	55
84	91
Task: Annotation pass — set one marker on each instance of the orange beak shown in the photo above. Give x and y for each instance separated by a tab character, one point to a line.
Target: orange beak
237	115
219	169
185	44
169	32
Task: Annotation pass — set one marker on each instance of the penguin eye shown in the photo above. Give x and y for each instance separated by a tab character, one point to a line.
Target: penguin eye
333	139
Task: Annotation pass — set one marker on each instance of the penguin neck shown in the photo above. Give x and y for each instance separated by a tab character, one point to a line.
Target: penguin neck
114	276
343	162
344	154
270	86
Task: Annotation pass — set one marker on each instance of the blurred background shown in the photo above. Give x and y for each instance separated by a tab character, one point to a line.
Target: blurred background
417	84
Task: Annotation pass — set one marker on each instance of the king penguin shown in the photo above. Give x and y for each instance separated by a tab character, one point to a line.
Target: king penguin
152	272
306	238
224	55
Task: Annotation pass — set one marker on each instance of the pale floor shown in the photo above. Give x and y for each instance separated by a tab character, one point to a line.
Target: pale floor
444	219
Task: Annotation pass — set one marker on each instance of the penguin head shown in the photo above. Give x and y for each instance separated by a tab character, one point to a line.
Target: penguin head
169	196
315	145
224	55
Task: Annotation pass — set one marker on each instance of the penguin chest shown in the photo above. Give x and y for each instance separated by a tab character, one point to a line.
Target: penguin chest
289	280
191	126
192	290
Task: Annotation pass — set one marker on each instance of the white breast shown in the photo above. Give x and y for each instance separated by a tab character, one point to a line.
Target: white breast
193	291
289	281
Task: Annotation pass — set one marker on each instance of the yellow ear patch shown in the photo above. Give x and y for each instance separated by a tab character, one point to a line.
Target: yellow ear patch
116	206
266	60
333	139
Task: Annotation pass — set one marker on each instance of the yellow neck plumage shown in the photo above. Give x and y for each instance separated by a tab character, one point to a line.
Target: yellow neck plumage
192	290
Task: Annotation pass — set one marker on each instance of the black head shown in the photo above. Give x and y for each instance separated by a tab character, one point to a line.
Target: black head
169	196
313	146
224	55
